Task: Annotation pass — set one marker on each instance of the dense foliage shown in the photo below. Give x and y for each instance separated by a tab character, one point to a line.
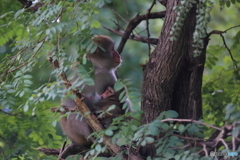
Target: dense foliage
29	85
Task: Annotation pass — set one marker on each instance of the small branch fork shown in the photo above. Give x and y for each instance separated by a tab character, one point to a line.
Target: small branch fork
132	25
213	143
225	44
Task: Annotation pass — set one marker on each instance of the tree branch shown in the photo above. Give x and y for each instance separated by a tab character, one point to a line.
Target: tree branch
153	41
225	44
230	53
10	114
133	24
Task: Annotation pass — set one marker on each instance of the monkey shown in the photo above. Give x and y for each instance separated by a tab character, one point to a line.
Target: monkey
105	61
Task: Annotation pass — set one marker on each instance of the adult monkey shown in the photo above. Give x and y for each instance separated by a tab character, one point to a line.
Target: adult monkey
105	61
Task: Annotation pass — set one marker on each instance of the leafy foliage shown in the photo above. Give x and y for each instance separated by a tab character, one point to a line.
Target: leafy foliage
202	19
38	35
29	86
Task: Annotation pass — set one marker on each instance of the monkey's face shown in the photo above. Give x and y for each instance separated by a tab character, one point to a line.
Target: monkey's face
105	58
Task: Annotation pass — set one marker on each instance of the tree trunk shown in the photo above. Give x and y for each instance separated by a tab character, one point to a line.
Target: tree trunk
173	74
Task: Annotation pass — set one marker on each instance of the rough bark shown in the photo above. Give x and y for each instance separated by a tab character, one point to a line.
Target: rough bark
187	100
173	74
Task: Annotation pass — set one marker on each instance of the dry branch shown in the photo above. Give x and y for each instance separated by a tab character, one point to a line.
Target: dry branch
219	139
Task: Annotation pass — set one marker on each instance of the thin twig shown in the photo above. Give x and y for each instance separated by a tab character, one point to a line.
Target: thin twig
10	114
9	145
224	143
147	26
221	32
152	41
2	153
233	144
23	64
59	15
117	14
190	120
62	149
182	147
231	28
229	51
203	150
189	138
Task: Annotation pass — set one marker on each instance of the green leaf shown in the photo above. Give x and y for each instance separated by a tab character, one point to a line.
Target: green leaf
98	148
95	24
11	91
149	139
143	143
27	76
181	128
118	86
172	114
123	99
21	94
111	107
17	14
8	86
109	132
228	3
54	123
169	153
26	81
37	47
122	94
25	107
165	126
